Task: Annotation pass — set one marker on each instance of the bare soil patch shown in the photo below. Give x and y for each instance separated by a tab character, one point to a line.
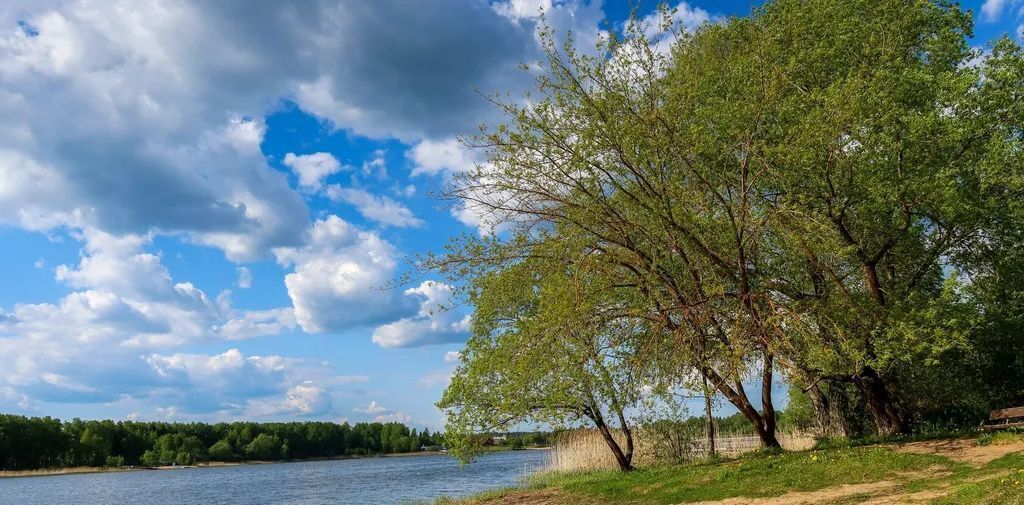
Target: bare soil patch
965	450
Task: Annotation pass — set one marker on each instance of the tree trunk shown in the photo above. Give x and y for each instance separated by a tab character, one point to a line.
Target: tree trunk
884	411
765	430
767	406
624	461
708	419
830	411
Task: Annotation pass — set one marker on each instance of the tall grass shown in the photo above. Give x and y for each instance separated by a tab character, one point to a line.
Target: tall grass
585	449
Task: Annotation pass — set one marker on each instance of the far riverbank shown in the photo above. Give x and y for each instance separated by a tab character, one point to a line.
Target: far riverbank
43	472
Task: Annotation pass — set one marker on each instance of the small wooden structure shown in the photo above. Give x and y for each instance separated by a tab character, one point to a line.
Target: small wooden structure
1012	417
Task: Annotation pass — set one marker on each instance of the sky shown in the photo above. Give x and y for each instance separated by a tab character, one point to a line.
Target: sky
204	206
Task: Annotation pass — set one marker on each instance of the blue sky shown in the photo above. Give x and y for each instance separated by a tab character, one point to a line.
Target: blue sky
200	202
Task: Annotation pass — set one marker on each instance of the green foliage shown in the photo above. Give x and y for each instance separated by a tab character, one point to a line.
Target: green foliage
799	411
830	186
265	447
222	451
535	356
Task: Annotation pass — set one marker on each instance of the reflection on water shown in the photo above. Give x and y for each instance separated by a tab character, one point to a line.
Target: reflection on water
369	481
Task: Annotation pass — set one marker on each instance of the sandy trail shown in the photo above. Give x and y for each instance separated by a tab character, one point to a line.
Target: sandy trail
964	450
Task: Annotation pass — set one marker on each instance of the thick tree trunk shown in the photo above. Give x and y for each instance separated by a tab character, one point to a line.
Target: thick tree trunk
888	418
830	411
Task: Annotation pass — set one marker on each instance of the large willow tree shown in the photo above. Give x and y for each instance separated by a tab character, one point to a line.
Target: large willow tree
800	190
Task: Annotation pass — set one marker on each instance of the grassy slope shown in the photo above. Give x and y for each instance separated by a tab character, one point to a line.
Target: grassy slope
766	475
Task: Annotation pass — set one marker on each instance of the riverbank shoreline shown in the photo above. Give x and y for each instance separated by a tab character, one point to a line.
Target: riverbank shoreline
44	472
47	472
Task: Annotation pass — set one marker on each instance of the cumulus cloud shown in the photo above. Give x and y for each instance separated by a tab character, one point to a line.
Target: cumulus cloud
139	117
338	278
433	157
434	323
113	126
377	208
452	356
88	346
378	413
257	323
312	169
234	383
446	158
126	122
522	9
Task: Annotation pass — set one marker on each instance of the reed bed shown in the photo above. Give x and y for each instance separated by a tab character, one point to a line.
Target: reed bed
585	449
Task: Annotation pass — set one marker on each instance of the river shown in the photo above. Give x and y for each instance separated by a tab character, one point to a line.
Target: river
369	481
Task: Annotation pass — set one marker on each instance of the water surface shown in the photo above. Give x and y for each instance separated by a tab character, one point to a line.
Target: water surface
370	481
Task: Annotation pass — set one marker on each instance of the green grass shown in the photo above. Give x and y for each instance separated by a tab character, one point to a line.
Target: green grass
768	474
1000	437
999	482
484	496
754	476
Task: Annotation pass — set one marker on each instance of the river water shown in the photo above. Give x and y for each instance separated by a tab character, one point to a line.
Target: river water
370	481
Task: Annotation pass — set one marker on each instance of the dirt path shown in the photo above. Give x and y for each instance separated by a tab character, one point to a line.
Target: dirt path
965	450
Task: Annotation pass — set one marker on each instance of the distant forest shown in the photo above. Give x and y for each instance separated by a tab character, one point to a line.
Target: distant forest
44	442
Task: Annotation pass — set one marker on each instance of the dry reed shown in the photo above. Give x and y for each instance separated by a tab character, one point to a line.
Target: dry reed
585	449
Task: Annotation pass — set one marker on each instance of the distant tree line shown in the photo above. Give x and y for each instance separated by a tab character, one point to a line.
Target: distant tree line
28	443
518	440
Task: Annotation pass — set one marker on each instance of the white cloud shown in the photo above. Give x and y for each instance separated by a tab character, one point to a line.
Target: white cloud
116	126
372	408
522	9
377	166
234	383
452	356
244	277
88	346
377	208
258	323
683	16
992	10
312	169
395	417
305	399
338	278
438	157
147	117
435	322
381	414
